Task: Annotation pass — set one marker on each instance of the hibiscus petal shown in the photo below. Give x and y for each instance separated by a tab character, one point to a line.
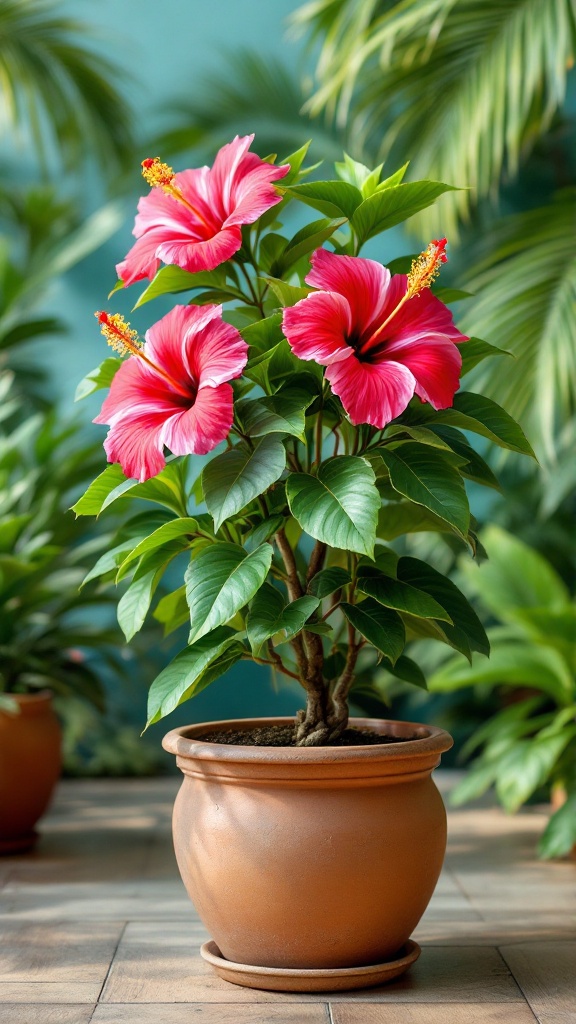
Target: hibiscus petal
160	210
216	354
166	341
136	387
253	194
424	312
200	429
317	327
142	259
135	441
435	362
363	283
204	254
372	393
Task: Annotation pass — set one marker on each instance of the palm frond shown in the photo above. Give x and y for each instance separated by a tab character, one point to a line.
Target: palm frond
255	96
49	76
526	287
463	87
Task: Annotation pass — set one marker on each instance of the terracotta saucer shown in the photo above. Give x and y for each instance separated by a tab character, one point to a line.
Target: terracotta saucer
282	979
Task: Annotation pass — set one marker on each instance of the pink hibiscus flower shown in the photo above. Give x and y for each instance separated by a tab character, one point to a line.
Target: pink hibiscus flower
173	389
383	338
193	219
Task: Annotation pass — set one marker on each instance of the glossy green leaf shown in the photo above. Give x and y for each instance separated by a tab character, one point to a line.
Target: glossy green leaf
407	670
475	350
482	416
101	377
271	618
171	279
220	581
232	480
382	627
177	529
305	241
402	597
339	506
264	334
467	632
172	610
398	518
392	205
475	467
282	413
332	198
287	294
183	677
327	581
424	476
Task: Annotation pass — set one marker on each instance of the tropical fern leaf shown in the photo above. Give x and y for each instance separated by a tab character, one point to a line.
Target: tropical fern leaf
255	96
526	302
49	76
463	87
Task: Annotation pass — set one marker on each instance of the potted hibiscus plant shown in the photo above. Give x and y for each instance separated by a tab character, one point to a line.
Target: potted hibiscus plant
324	386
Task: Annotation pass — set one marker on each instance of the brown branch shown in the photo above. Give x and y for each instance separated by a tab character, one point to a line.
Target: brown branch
316	560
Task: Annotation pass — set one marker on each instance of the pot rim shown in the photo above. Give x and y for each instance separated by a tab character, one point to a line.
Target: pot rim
31	703
429	740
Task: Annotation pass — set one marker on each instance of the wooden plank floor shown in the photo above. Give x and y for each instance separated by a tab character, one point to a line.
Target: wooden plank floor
95	926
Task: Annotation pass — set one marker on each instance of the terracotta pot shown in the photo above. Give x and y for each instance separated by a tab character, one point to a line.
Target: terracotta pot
311	857
30	763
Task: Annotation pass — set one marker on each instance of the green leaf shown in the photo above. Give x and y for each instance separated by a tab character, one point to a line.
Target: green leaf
516	577
287	294
559	836
264	334
482	416
232	480
327	581
475	468
398	518
282	413
134	604
467	631
401	597
310	237
407	670
101	377
270	617
92	501
359	175
510	664
339	506
475	350
424	476
220	581
172	610
176	529
170	280
294	617
528	765
382	627
390	206
332	198
183	677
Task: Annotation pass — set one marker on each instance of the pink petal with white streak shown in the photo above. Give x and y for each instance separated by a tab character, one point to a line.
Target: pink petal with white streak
198	430
372	393
317	327
363	283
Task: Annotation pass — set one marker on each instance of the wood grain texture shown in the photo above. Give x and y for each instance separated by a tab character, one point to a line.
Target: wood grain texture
444	1013
546	974
58	951
44	1013
48	992
144	973
202	1013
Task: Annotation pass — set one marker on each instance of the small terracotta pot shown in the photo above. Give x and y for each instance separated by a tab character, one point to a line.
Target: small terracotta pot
30	763
309	857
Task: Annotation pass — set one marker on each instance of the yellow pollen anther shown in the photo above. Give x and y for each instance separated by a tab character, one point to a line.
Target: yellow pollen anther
426	267
157	174
119	334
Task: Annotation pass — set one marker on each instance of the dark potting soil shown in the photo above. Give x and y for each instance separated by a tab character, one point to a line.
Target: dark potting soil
283	736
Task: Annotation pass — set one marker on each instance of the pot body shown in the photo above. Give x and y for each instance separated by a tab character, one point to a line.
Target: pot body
311	857
30	763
